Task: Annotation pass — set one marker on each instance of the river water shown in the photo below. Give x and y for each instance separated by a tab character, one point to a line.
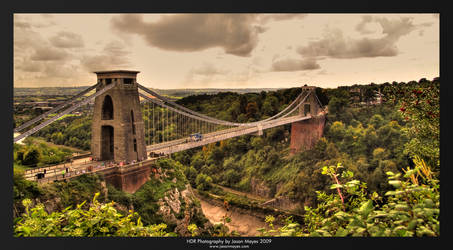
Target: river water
244	224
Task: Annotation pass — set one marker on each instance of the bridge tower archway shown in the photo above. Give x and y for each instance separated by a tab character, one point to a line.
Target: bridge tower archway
107	108
107	145
117	128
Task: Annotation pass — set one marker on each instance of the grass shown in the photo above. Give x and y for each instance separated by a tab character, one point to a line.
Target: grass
21	167
63	117
72	149
276	175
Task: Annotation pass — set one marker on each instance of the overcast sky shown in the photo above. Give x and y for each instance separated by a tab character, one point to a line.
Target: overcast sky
226	50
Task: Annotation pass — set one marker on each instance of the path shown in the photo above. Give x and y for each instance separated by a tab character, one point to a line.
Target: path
240	193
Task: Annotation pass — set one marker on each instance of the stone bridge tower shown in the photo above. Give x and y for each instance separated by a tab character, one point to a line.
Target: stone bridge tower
305	134
118	129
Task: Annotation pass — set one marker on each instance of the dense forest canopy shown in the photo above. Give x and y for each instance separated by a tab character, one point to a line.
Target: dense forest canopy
376	132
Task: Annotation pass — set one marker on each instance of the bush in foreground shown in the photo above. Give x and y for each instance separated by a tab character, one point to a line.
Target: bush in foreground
412	209
99	220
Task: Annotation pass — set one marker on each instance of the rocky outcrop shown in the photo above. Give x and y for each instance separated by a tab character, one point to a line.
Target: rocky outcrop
50	205
180	208
259	188
177	206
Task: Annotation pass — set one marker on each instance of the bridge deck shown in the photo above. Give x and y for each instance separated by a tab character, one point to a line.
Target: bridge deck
86	165
184	144
76	168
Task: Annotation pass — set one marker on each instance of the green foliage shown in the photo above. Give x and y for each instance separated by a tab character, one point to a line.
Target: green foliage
61	194
419	105
31	157
71	131
203	182
191	174
377	121
99	220
193	229
353	132
33	154
231	177
144	201
22	188
411	209
75	191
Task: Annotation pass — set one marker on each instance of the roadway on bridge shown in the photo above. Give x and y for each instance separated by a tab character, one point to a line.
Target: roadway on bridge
185	143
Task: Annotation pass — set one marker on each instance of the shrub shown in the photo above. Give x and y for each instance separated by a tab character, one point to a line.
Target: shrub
203	182
411	209
99	220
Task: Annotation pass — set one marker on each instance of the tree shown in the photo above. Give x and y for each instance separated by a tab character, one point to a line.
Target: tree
216	154
234	110
420	107
257	142
275	134
203	182
270	105
31	157
191	174
18	153
251	110
231	177
411	209
337	131
377	121
368	95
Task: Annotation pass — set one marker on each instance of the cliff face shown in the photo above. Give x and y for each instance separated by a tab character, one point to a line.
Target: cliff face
259	188
182	208
168	197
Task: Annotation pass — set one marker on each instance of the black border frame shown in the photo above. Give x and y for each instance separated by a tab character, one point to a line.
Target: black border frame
171	6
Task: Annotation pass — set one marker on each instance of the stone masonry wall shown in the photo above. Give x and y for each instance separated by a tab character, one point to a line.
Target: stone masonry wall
305	134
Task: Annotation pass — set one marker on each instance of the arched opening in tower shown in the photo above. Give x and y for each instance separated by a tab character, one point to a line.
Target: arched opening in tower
107	143
107	108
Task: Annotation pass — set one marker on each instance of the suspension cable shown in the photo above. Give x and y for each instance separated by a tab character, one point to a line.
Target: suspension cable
214	120
53	110
161	103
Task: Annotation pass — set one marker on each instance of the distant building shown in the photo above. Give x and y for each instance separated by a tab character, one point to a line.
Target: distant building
356	95
377	98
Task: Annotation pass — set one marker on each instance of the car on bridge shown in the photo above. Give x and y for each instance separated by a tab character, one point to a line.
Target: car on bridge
196	137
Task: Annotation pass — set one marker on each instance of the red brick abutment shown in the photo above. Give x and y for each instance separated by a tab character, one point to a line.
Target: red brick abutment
129	178
305	134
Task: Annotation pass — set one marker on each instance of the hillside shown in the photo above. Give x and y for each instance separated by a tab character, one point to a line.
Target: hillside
368	147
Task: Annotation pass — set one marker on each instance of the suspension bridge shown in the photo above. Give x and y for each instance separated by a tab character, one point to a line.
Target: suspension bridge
133	125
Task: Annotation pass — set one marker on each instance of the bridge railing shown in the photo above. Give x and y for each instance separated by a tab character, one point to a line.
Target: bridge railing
61	174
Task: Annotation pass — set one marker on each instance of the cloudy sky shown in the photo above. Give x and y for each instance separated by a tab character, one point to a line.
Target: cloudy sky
226	50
